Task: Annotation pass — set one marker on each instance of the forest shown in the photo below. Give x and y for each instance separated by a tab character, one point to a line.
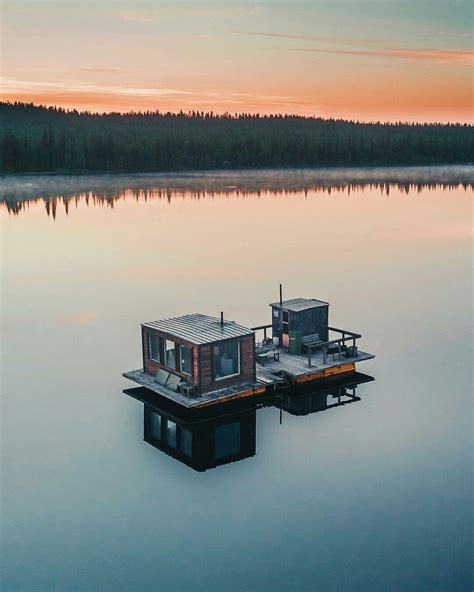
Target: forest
38	139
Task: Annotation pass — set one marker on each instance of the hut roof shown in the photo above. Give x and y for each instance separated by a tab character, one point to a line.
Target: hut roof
299	304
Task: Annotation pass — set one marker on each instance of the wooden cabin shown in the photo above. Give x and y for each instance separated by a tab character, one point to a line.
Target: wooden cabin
196	354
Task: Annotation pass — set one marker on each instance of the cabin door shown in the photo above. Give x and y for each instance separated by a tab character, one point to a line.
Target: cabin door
285	329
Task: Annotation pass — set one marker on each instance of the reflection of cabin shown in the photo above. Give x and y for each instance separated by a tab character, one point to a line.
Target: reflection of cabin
219	434
299	317
332	393
202	444
196	354
201	439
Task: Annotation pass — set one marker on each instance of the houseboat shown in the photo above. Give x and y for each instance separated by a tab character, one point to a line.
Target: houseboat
198	360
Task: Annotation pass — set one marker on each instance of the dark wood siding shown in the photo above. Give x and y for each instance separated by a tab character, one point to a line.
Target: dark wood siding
247	365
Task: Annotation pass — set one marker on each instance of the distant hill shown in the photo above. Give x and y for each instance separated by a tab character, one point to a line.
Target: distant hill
41	139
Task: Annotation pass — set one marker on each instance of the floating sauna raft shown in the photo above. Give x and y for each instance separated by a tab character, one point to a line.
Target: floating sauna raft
198	360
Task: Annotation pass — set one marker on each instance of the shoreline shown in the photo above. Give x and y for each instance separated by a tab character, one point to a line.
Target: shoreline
216	171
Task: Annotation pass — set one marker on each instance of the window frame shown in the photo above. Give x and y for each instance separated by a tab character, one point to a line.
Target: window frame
165	360
160	353
178	348
239	369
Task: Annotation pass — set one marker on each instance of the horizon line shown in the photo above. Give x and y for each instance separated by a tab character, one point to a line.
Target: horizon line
225	115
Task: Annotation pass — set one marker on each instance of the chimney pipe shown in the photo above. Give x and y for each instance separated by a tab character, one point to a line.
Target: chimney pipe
281	295
222	318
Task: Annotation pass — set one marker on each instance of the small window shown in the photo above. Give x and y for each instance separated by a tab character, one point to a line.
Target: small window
171	431
186	359
226	360
154	351
155	425
170	354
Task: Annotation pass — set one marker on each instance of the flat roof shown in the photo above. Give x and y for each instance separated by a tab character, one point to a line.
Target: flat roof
299	304
199	329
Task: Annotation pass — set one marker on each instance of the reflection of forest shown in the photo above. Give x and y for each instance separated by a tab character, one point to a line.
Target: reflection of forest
105	190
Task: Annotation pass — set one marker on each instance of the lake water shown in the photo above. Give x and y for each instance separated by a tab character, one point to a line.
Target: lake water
374	495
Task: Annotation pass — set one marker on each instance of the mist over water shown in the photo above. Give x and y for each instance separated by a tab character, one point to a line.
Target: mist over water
16	191
375	495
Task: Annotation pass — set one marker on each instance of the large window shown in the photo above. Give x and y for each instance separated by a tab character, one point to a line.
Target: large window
170	354
186	439
154	347
226	360
185	359
227	442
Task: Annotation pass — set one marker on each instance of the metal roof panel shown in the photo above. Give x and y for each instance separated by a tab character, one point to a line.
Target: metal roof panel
199	329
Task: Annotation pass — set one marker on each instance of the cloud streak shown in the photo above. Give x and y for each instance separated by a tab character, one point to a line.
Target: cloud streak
13	86
440	56
372	49
104	70
319	38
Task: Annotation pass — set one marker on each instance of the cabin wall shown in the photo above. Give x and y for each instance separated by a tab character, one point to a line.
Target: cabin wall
247	366
314	320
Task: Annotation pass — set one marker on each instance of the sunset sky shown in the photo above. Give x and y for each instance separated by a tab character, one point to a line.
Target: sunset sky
357	59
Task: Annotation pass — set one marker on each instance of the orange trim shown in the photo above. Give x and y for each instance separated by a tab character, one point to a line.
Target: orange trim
324	373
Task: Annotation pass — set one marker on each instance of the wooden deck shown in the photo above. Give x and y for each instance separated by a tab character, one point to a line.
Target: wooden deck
227	394
274	374
295	367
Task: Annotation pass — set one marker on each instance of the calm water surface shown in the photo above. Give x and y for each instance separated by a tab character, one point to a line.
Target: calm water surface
373	495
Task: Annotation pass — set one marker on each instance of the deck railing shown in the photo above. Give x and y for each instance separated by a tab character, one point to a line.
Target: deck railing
330	347
266	339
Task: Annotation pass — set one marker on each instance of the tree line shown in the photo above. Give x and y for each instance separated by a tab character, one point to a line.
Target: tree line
46	139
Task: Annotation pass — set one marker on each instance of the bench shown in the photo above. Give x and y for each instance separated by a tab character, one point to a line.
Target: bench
262	358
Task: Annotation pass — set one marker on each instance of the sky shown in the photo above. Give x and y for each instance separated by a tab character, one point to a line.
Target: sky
368	60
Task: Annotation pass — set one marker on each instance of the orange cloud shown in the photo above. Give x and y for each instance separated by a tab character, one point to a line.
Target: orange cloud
81	318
